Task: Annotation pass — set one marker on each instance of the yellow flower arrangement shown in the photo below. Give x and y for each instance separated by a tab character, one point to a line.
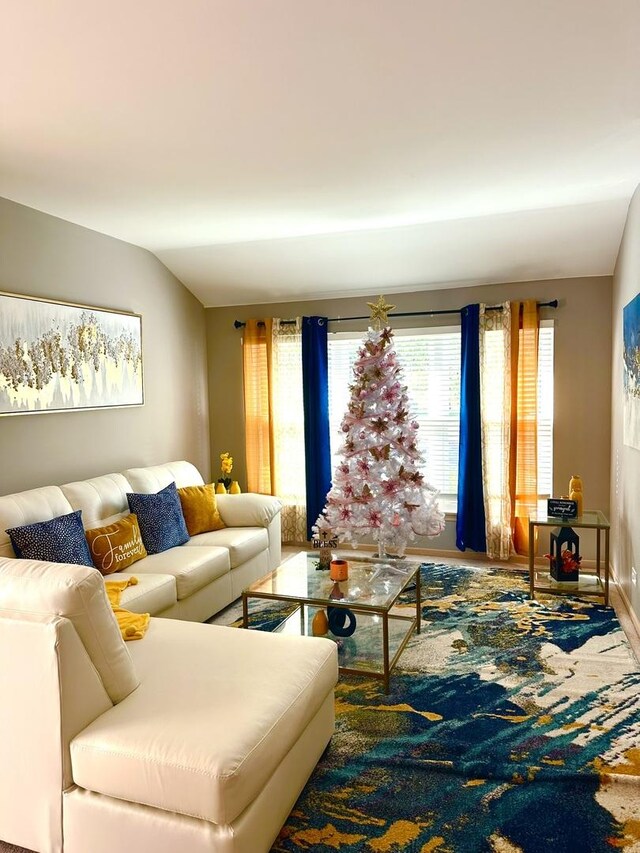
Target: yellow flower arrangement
226	467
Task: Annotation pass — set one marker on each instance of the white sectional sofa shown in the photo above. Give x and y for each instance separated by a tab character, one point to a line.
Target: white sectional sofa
193	581
196	738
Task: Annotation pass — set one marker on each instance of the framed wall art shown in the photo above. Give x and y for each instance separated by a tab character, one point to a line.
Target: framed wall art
631	386
57	356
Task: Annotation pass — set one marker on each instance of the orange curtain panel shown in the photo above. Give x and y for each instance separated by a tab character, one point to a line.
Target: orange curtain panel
525	326
256	362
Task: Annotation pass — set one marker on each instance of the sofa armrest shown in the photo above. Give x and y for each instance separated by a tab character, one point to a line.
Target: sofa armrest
248	510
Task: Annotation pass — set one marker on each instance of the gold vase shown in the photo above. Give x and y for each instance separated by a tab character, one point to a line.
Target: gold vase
575	491
220	489
320	624
234	488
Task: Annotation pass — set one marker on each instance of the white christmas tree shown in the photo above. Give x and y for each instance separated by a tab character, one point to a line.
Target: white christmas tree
378	488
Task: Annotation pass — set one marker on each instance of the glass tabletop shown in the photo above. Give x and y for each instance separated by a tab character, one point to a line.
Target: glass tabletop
589	518
372	582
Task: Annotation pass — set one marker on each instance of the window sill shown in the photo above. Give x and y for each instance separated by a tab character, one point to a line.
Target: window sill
449	506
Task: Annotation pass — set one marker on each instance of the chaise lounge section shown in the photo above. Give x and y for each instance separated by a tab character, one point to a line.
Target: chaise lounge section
196	738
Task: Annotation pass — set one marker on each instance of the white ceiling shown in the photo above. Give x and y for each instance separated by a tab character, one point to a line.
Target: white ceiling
275	149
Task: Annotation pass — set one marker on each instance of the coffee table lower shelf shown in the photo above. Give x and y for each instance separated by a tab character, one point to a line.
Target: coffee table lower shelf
363	653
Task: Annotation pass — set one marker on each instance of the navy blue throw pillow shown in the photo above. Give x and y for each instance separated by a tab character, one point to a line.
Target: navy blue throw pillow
160	517
60	540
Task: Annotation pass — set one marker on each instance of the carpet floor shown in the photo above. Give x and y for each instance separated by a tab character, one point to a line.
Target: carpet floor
512	725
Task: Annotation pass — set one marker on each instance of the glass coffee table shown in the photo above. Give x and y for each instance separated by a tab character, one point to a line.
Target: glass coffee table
370	592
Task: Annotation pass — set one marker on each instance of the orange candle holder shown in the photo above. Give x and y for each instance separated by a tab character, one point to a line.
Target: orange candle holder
339	570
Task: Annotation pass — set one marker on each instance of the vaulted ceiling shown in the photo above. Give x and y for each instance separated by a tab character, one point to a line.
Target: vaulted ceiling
266	150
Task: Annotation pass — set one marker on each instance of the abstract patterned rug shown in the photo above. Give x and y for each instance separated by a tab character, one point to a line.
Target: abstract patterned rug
512	725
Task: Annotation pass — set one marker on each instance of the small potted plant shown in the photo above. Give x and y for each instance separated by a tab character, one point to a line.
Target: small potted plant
226	467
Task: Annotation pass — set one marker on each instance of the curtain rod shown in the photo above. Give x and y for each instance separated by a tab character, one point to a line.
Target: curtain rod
238	324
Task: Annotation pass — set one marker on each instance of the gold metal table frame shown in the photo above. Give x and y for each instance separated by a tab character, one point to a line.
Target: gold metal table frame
589	583
396	628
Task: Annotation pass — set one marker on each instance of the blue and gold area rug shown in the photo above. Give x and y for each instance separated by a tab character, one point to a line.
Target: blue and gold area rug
512	725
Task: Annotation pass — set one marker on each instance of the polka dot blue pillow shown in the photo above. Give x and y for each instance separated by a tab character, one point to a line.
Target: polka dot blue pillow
60	540
160	517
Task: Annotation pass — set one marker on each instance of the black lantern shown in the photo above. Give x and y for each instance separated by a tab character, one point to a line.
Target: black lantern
565	555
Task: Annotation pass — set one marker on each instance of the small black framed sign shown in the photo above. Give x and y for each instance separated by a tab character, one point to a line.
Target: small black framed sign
562	508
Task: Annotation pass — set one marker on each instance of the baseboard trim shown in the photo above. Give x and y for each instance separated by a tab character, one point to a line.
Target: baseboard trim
635	621
516	561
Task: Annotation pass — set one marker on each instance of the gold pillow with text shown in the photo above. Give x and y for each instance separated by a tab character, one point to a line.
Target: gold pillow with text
116	546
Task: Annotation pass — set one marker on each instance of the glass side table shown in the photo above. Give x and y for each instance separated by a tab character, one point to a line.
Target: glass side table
589	583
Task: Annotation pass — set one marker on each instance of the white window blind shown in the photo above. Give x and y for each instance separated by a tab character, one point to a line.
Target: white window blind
545	411
430	360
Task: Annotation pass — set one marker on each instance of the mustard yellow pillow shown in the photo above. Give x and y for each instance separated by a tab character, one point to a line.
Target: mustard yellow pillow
200	509
116	546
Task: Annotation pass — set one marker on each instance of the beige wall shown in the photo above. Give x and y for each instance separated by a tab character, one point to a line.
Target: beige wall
582	369
625	461
48	257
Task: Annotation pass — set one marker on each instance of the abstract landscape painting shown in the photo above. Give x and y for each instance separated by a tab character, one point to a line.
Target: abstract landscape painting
57	357
631	356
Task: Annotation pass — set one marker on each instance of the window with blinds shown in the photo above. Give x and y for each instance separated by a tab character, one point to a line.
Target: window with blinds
430	361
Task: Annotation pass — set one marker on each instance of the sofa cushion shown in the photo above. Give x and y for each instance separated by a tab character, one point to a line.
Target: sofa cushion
156	477
102	500
28	507
116	546
193	568
154	593
58	540
199	509
243	542
205	746
77	593
160	518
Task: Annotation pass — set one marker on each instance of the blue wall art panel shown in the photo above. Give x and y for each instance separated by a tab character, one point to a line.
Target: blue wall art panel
631	356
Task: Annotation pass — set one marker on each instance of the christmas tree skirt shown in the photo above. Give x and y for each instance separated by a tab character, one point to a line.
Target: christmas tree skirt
512	725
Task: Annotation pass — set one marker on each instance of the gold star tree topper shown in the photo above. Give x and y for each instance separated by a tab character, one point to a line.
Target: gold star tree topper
379	311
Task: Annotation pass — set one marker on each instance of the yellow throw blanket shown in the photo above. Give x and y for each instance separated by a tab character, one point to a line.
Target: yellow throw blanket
133	626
